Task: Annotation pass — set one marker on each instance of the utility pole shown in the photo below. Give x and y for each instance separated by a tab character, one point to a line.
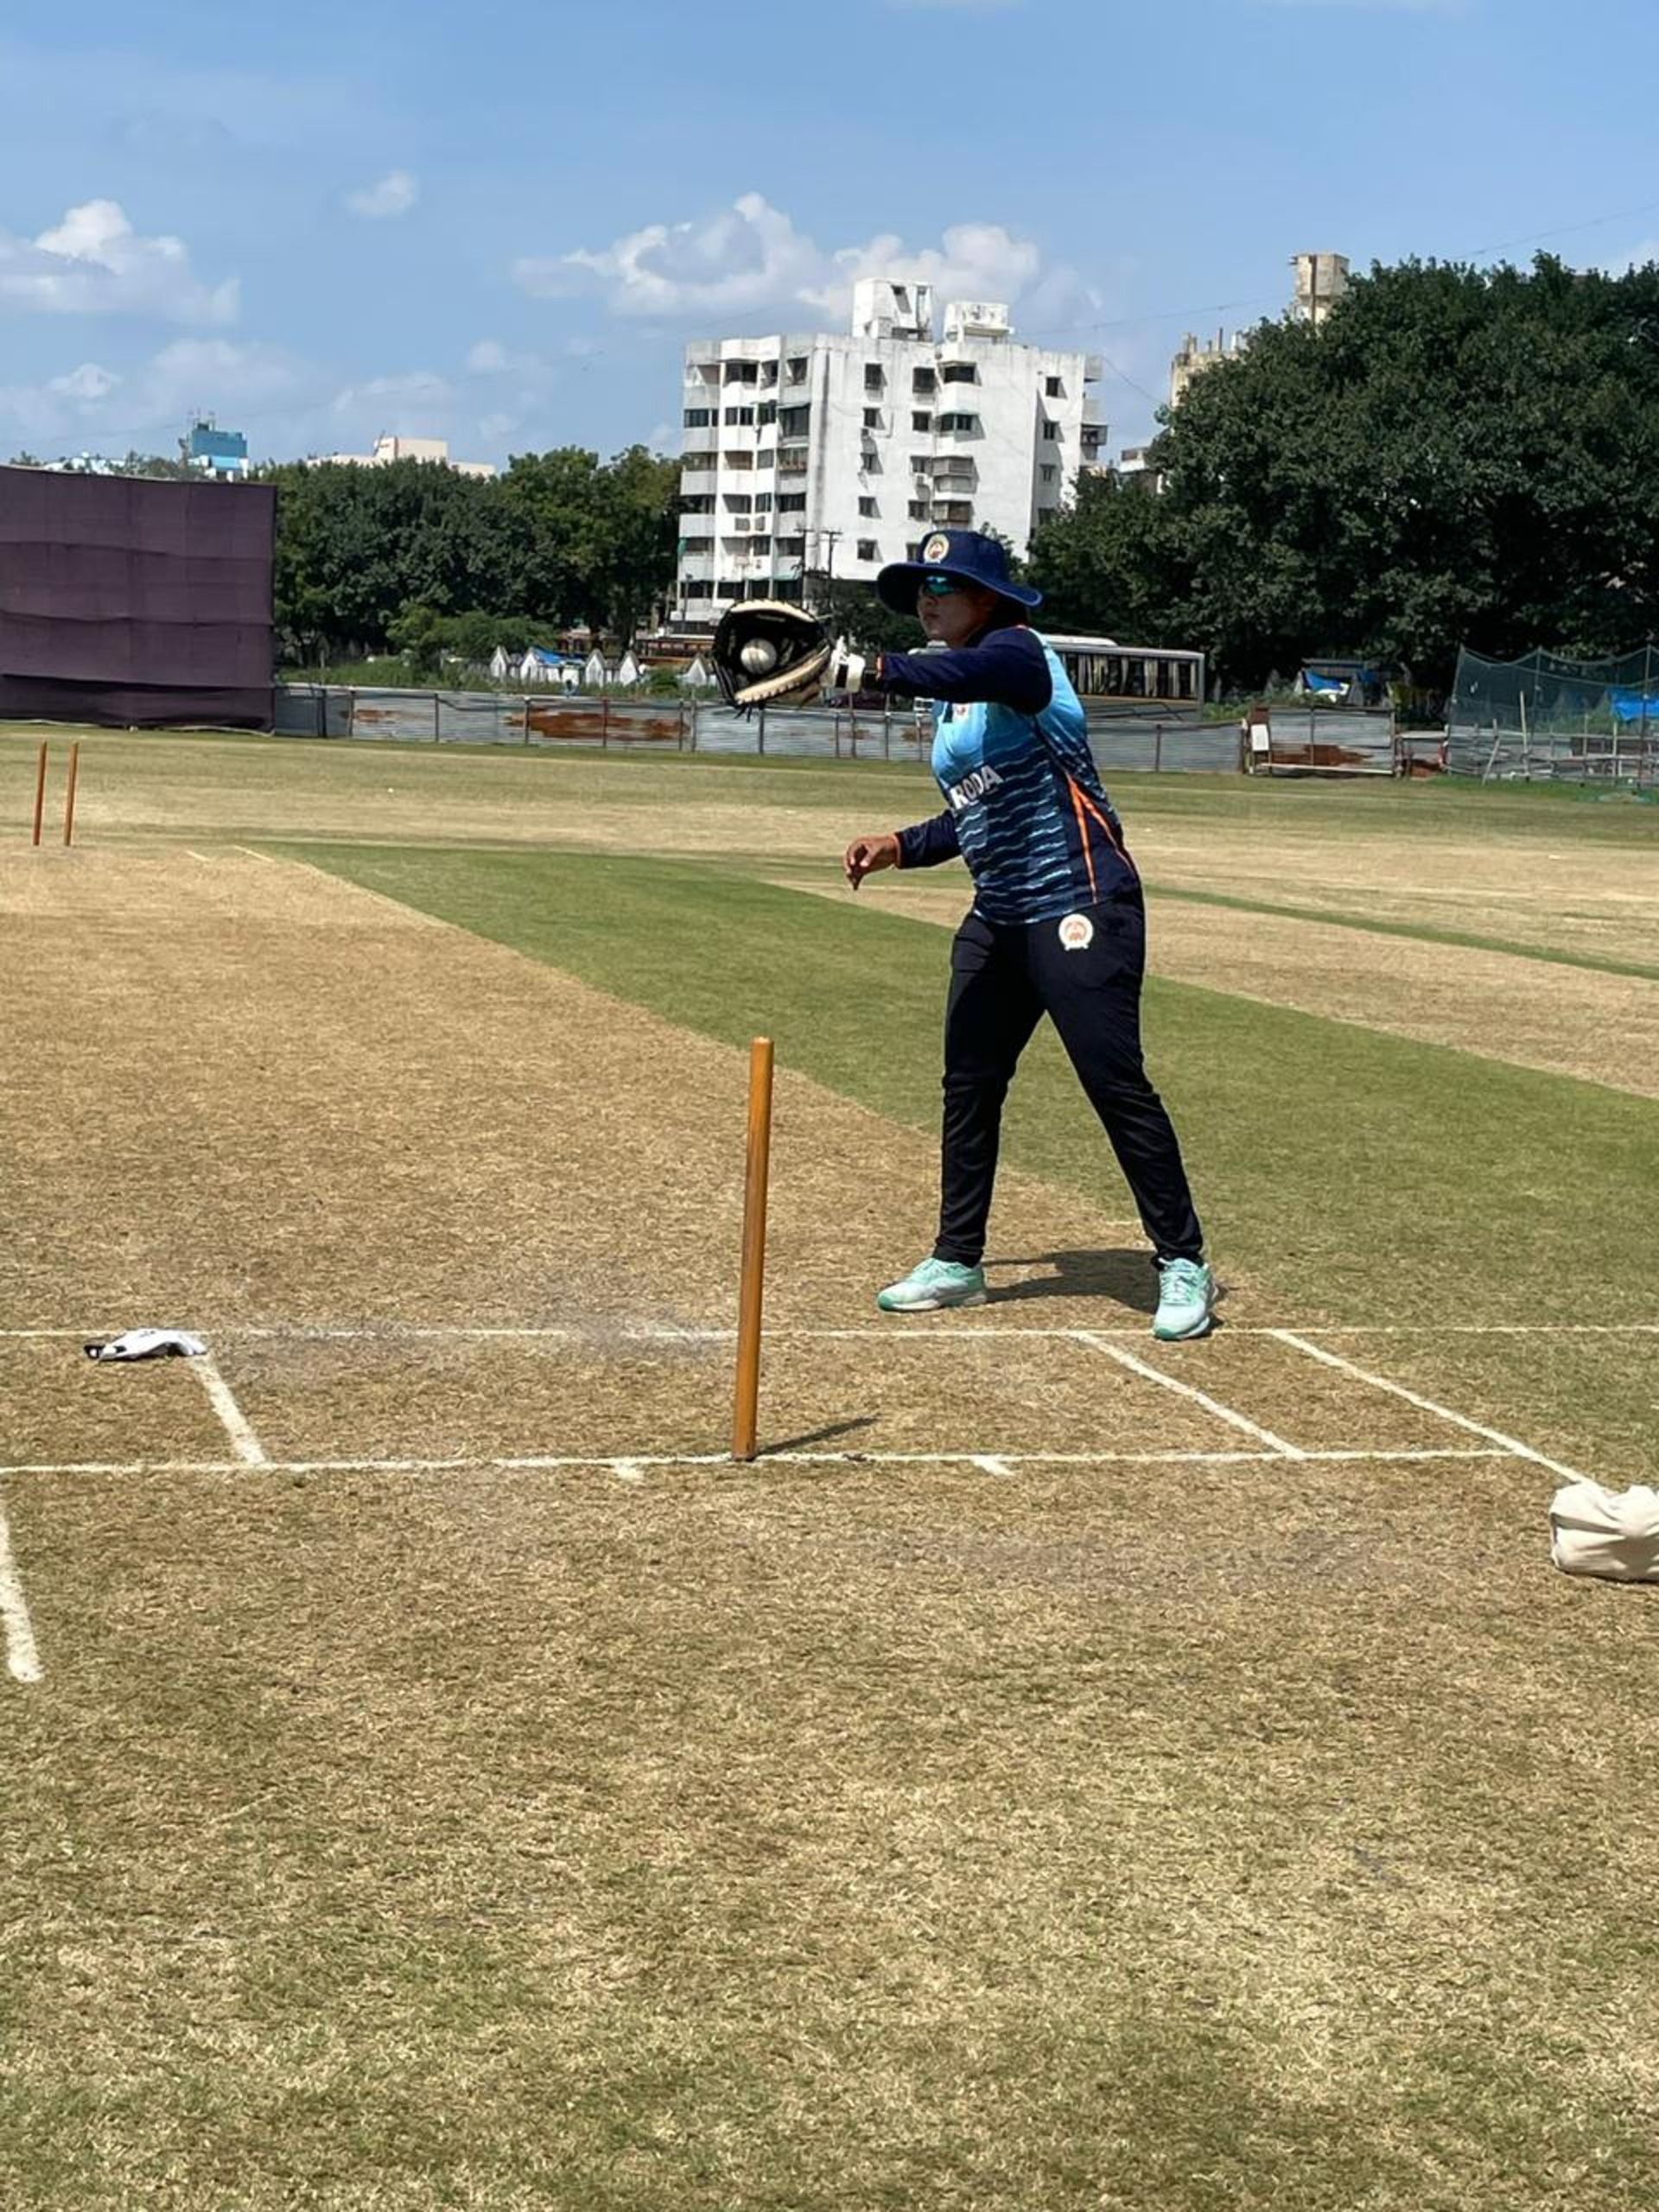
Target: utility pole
826	537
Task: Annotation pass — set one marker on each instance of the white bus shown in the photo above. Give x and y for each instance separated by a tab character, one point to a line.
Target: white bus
1106	674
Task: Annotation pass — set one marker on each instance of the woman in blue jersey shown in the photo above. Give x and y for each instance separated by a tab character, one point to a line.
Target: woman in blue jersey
1056	927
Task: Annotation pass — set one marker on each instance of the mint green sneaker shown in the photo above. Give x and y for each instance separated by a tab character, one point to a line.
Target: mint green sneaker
933	1284
1186	1299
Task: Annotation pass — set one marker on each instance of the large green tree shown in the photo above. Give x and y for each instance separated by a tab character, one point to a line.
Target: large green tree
369	556
1456	456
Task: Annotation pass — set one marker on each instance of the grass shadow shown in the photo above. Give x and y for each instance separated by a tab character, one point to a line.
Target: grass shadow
1124	1275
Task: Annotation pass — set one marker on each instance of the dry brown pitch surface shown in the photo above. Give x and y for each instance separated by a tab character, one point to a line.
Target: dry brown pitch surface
1063	1772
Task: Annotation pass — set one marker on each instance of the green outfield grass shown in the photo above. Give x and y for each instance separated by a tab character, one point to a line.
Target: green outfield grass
1367	1177
1213	1836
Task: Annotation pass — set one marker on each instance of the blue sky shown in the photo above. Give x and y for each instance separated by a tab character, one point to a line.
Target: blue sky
499	223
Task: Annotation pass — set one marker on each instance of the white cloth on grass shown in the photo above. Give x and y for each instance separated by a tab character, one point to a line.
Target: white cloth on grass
1610	1533
148	1343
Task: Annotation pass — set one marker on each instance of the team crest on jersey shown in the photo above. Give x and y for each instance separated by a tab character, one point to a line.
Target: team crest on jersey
938	547
1076	933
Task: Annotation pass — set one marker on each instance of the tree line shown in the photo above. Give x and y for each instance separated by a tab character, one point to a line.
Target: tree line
418	557
1456	456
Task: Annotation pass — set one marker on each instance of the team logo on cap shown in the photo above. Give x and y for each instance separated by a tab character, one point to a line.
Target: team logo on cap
1076	933
938	547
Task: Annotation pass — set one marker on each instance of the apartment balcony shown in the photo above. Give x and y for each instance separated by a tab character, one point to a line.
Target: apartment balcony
791	461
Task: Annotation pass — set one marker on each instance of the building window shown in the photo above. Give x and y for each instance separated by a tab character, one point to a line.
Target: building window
765	458
923	380
791	548
1051	429
742	371
793	422
867	506
763	503
957	421
698	418
1048	472
867	549
738	503
921	422
959	372
738	460
873	377
792	503
798	368
917	510
697	503
768	371
760	545
700	590
739	415
872	418
767	411
1052	387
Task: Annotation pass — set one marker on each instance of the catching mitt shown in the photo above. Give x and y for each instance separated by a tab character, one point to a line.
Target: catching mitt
768	653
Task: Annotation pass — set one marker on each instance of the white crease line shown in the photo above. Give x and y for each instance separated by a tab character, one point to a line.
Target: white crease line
631	1467
270	859
1096	1343
1510	1444
393	1332
249	1449
22	1656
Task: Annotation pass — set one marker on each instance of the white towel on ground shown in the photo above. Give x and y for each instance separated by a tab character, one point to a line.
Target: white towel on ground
1610	1533
148	1343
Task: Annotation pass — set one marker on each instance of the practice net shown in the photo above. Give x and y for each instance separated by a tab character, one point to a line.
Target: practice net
1546	718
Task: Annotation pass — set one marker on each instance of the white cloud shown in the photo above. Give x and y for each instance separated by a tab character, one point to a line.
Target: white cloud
395	193
751	255
489	358
94	263
237	382
88	383
419	403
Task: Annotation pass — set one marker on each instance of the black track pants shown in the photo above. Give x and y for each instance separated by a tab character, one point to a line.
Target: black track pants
1004	977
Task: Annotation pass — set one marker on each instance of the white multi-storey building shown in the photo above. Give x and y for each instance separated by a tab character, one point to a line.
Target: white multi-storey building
818	455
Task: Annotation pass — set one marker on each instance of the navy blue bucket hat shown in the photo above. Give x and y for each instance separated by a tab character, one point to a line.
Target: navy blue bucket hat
965	554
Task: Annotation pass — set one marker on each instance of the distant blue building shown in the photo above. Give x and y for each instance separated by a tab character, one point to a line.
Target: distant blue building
216	452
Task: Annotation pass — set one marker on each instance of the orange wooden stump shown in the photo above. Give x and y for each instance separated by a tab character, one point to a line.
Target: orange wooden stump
745	1410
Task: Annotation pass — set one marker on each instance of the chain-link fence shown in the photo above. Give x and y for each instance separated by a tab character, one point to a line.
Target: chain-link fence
1547	718
1176	743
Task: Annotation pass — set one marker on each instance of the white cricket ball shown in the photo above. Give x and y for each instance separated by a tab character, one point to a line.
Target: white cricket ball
758	656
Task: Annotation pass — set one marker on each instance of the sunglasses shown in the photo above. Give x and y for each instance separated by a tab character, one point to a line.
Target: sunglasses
938	587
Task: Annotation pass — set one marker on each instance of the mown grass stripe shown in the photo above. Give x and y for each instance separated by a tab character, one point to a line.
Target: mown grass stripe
1422	932
1368	1176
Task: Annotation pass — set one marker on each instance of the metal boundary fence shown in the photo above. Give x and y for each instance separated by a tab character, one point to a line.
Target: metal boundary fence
1546	719
1178	744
